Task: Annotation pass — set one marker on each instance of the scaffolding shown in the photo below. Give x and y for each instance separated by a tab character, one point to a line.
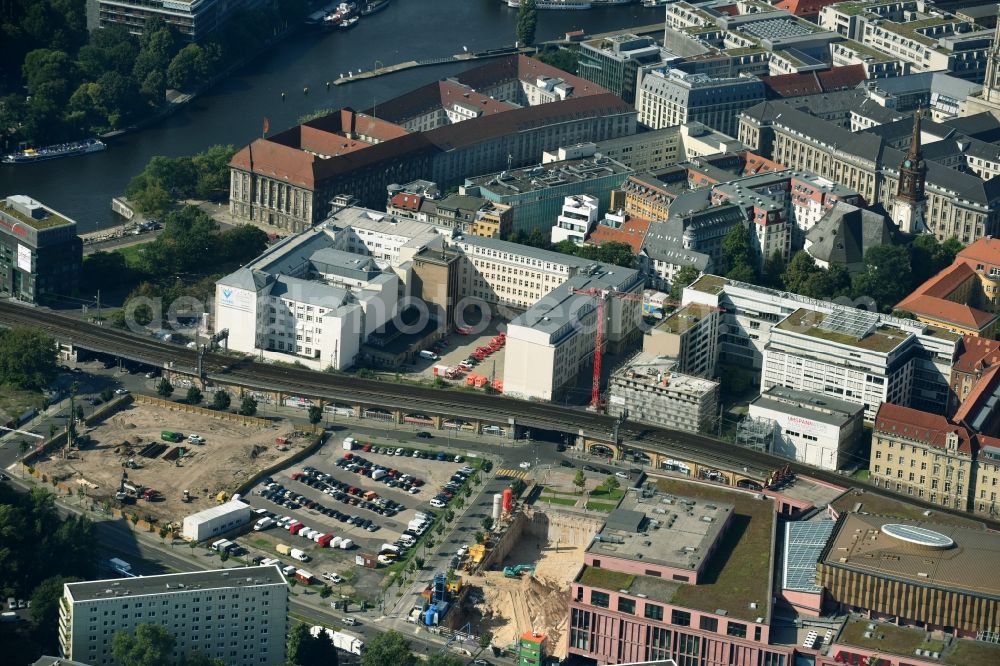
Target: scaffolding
756	433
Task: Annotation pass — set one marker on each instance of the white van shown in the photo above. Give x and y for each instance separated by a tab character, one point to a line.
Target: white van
429	355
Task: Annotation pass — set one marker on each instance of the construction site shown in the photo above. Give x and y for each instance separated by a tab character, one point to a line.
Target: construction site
163	463
522	583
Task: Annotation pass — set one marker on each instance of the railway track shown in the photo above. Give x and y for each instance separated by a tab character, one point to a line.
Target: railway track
460	404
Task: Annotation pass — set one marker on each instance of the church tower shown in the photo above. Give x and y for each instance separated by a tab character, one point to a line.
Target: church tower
909	208
991	85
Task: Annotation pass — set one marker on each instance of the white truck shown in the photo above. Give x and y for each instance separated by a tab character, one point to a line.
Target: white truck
299	555
350	443
340	640
263	524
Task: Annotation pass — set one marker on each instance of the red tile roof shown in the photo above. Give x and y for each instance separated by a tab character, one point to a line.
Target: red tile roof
921	426
407	201
977	353
814	83
755	164
931	299
804	7
983	251
633	233
983	389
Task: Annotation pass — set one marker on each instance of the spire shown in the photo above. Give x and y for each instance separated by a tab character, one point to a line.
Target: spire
914	152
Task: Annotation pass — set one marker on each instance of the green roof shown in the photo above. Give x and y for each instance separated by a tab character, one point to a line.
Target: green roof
865	50
887	637
807	322
605	579
51	220
887	506
685	318
739	572
972	652
709	284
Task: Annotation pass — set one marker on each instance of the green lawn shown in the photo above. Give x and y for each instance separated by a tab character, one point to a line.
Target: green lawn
861	475
601	506
15	401
564	501
568	493
132	253
616	494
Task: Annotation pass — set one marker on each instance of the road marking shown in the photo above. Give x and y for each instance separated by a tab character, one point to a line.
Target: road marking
513	473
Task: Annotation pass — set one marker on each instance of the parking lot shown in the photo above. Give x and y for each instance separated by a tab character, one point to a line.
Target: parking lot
371	498
458	348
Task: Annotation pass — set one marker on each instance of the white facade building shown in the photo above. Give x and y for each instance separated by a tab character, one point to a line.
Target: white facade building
811	428
216	520
579	215
236	615
829	348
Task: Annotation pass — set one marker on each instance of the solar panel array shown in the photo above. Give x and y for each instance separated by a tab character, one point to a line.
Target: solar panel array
803	544
856	323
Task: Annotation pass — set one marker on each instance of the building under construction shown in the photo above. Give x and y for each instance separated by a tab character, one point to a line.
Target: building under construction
653	391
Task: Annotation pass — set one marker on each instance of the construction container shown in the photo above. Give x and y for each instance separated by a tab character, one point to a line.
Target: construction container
470	379
216	520
346	544
508	500
283	548
481	381
366	560
303	576
325	540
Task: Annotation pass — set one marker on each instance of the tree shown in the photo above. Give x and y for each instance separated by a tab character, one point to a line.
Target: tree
189	68
27	358
107	394
798	271
736	248
213	172
199	658
580	480
389	648
616	253
45	608
928	256
485	639
742	273
684	278
773	269
49	74
527	20
480	537
886	276
150	645
194	396
164	388
568	60
221	400
445	659
249	406
610	484
315	414
325	591
419	562
487	523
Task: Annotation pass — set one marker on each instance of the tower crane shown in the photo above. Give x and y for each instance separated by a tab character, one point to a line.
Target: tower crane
602	295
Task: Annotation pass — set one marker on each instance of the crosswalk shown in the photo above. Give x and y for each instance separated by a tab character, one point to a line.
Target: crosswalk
512	473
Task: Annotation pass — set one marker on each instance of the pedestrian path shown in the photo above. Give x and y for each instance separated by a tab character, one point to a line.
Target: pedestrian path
512	473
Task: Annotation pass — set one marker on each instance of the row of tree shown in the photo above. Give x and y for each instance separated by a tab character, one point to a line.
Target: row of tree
153	645
613	252
890	272
27	358
39	552
81	83
166	180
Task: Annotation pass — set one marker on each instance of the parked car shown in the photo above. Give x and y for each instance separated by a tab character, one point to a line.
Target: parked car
566	463
423	434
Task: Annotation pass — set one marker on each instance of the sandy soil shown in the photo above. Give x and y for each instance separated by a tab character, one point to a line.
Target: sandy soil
512	606
231	454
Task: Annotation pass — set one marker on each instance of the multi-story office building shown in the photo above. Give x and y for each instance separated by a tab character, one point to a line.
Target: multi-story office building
923	455
653	390
673	97
40	253
552	342
286	179
977	356
876	357
870	164
614	61
537	193
942	94
578	217
193	19
235	615
815	429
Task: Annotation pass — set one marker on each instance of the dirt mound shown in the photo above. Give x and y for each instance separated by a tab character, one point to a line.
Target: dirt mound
514	606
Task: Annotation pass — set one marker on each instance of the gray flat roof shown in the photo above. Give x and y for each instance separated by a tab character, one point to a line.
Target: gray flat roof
114	588
805	404
677	531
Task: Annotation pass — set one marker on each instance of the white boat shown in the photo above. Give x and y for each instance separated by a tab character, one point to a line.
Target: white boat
555	4
53	152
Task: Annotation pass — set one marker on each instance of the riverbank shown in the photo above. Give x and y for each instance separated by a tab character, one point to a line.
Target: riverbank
412	64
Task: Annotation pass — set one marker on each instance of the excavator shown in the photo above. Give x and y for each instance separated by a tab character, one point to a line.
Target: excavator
515	571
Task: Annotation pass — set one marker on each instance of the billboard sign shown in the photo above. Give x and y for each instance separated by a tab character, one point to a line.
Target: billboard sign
24	258
235	299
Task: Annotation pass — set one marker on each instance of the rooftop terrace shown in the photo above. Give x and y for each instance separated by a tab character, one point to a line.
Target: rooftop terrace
883	339
709	284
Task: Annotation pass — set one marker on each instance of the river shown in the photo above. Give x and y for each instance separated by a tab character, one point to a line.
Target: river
233	111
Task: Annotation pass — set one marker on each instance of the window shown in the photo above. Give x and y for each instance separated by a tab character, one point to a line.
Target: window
599	599
626	605
736	629
653	612
680	618
708	623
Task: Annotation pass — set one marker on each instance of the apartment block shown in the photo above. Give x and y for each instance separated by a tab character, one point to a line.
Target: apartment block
192	19
452	214
653	391
690	336
578	216
238	616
